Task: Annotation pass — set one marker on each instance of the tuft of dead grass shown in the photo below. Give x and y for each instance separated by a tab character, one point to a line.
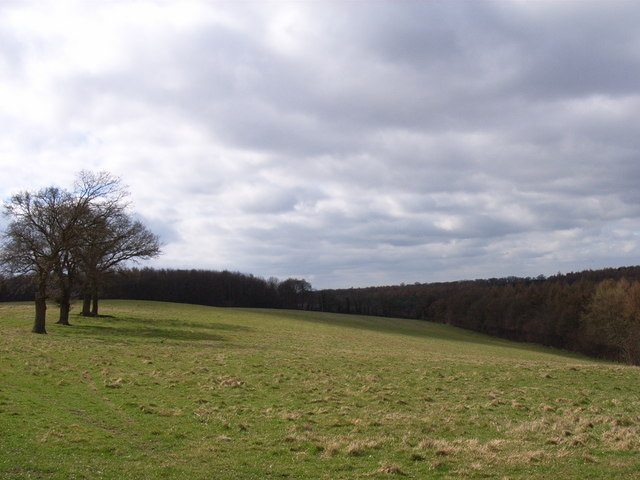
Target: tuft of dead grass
387	468
114	383
358	448
230	382
329	450
622	438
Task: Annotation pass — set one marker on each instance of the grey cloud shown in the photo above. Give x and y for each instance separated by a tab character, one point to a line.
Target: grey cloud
583	51
386	142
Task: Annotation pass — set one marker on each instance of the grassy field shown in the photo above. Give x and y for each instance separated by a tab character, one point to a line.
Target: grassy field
163	390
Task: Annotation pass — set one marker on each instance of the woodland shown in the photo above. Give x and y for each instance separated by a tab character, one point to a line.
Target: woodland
595	312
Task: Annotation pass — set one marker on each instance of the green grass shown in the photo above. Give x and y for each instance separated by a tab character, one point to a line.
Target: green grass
174	391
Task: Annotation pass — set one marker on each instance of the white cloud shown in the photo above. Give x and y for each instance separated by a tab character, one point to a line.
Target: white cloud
346	143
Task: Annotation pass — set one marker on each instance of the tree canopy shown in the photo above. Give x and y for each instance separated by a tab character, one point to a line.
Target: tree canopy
61	237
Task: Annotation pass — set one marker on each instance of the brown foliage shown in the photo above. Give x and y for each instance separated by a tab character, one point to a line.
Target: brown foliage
612	319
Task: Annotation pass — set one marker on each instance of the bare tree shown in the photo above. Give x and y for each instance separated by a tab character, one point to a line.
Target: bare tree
116	239
35	240
57	235
96	195
107	236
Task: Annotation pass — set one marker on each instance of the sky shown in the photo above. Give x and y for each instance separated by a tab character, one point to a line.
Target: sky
349	143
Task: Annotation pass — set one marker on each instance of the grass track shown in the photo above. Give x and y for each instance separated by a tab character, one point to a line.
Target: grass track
163	390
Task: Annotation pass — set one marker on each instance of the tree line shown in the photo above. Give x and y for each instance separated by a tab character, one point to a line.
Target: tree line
592	312
595	312
207	287
200	287
62	241
64	244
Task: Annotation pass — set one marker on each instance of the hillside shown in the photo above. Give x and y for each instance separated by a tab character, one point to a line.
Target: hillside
163	390
593	312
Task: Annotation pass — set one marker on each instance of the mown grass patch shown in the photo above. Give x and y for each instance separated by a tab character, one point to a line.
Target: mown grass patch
162	390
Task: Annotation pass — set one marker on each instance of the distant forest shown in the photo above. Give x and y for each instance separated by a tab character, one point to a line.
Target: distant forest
596	312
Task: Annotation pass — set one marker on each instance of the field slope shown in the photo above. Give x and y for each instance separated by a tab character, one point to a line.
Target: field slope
163	390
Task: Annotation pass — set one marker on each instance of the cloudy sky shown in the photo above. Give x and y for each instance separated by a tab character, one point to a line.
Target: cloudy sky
351	143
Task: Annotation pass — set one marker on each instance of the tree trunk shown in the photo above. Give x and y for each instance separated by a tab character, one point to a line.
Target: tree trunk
65	307
65	281
86	304
41	309
94	299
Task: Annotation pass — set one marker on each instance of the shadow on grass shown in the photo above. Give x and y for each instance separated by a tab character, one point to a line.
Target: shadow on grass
128	331
173	323
166	329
